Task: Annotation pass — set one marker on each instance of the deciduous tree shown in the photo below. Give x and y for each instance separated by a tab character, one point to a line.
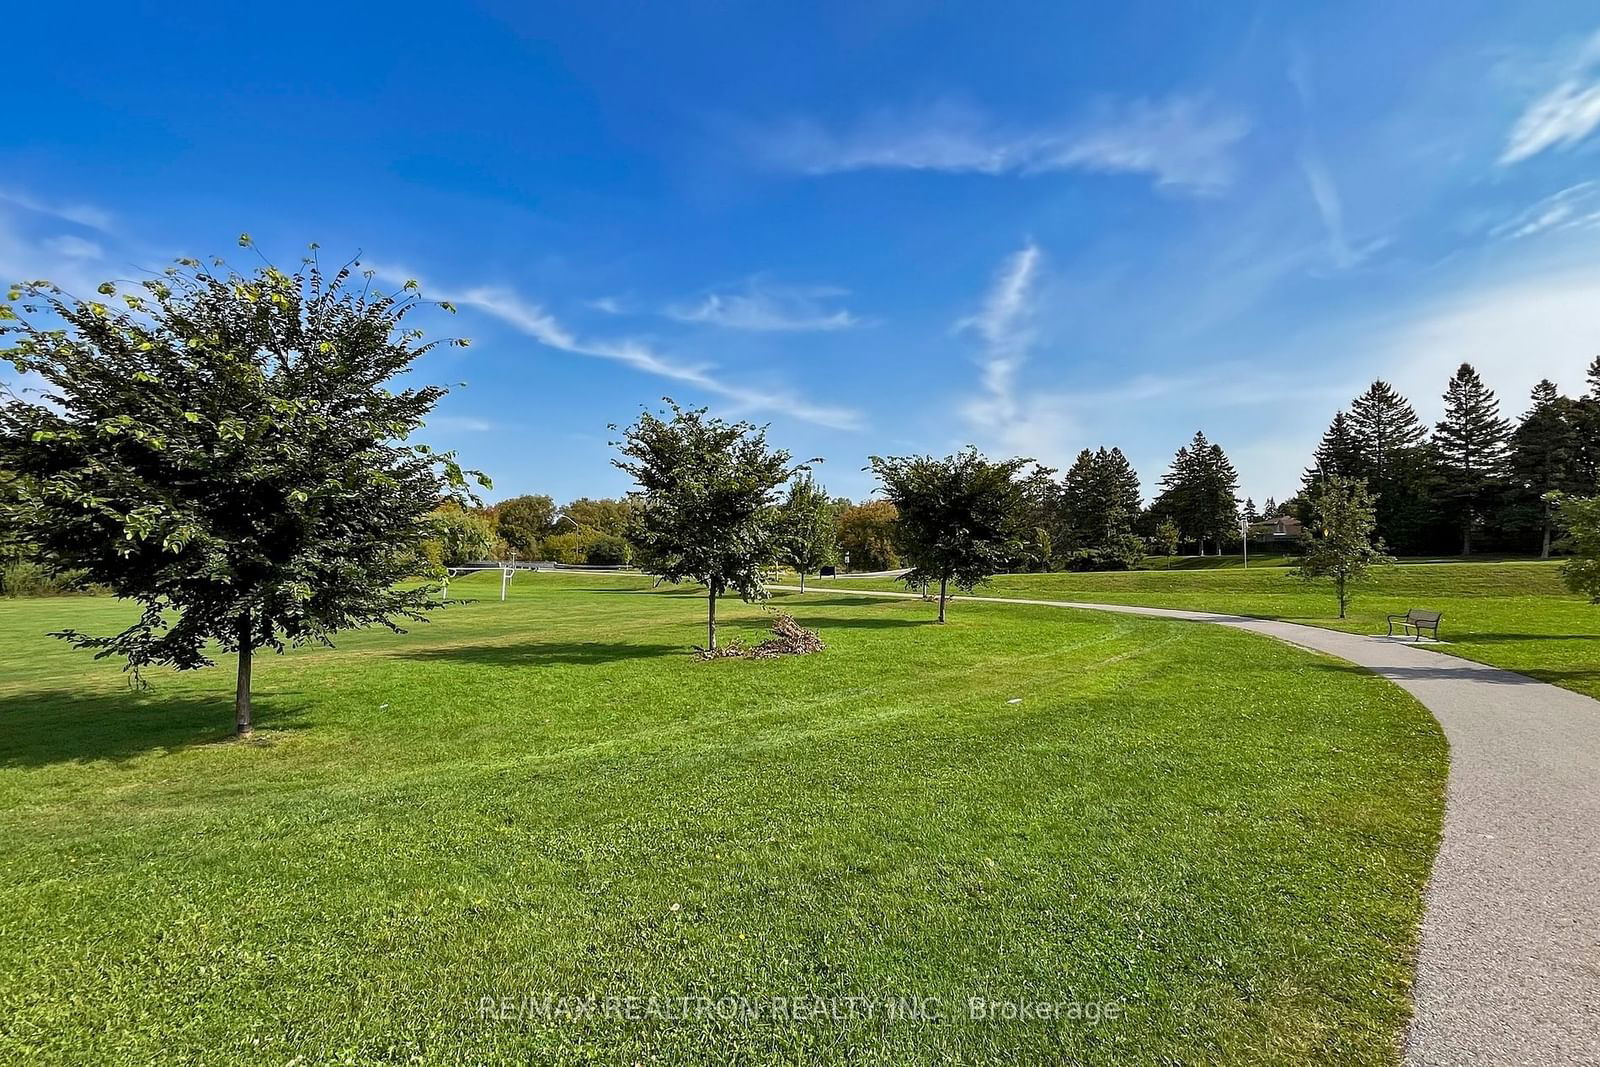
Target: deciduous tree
708	501
227	451
1581	517
867	535
808	538
523	521
1167	537
957	515
1341	546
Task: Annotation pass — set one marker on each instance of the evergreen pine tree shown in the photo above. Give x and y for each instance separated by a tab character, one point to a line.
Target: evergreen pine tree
1470	443
1338	453
1100	498
1544	457
1586	416
1270	510
1393	446
1199	492
1385	427
1117	491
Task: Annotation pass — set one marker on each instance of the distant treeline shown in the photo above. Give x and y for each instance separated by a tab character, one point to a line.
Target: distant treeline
1476	482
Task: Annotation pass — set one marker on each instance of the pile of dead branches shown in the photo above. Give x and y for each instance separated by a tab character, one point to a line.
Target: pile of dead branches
788	638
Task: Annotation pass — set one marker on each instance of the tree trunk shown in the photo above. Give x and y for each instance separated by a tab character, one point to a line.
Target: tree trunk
943	585
1544	548
711	620
1466	539
241	692
802	581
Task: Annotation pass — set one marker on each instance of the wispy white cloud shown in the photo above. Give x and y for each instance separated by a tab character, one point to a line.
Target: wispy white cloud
1576	207
1035	425
1319	179
529	318
1565	114
459	423
69	246
1330	206
1180	142
82	214
763	307
607	305
75	264
1514	331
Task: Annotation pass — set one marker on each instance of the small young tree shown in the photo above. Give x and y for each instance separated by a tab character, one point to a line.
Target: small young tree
227	452
1167	537
1581	516
708	501
1341	546
808	542
957	515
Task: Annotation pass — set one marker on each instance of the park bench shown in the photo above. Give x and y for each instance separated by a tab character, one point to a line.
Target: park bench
1416	621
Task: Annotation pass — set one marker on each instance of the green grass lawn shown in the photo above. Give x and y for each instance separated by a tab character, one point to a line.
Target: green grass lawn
1224	837
1513	615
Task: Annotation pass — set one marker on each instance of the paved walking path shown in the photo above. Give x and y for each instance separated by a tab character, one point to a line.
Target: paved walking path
1508	972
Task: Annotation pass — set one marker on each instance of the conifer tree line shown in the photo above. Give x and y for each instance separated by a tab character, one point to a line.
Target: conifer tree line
1479	481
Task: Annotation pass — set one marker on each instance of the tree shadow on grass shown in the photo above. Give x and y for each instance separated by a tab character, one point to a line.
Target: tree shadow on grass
59	726
823	623
525	653
1477	638
696	592
1452	669
817	600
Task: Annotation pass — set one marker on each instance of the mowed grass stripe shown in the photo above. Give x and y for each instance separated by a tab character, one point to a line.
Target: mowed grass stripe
1226	836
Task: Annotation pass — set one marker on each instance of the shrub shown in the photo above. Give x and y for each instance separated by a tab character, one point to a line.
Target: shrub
24	577
588	546
1122	554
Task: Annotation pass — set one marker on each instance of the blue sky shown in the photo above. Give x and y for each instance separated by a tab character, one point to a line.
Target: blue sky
882	228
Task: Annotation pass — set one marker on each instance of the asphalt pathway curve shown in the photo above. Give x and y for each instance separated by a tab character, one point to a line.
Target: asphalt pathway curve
1508	971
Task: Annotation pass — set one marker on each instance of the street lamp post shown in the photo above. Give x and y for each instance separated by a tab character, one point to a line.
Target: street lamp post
1244	539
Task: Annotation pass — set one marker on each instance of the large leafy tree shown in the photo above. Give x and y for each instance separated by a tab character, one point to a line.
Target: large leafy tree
1341	547
708	493
867	535
957	515
458	536
606	514
808	540
1470	443
523	521
1544	455
228	451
